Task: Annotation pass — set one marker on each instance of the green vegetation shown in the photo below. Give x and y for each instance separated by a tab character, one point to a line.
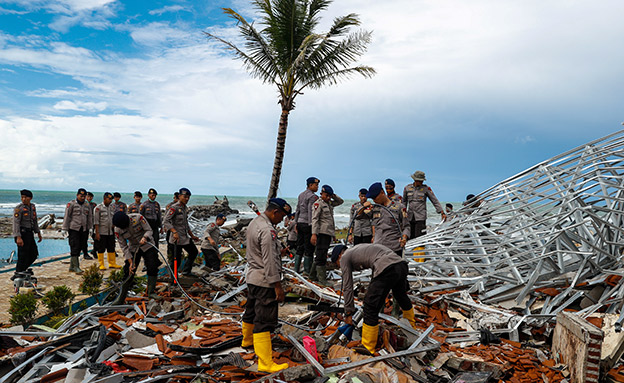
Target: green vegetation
23	308
57	298
115	278
92	280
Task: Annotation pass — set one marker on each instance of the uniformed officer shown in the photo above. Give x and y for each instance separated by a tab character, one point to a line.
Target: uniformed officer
389	220
210	243
264	288
118	205
136	206
104	232
24	225
170	247
85	250
389	272
150	209
415	198
136	241
176	222
323	230
77	222
291	239
303	217
361	230
394	196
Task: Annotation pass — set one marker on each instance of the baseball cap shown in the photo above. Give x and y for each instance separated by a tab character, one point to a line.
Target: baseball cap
327	189
336	252
185	191
312	180
374	190
281	204
26	192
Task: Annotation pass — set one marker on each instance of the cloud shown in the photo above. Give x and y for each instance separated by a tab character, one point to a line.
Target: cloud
169	8
158	33
524	140
80	106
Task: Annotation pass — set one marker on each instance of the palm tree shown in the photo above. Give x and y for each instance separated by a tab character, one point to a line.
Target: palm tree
286	52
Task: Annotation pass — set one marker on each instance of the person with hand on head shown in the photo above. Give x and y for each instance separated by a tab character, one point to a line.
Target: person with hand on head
264	287
360	230
389	273
25	225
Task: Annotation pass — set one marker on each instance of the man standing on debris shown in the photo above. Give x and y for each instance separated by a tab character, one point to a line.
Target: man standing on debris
389	272
181	237
150	209
104	232
135	239
415	198
389	220
136	206
85	249
323	230
118	205
264	287
394	196
176	197
24	225
210	243
78	220
303	217
361	230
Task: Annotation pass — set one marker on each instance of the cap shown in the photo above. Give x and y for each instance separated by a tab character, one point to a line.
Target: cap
291	215
374	190
117	194
469	197
281	204
26	192
138	194
390	181
176	195
363	191
312	180
89	194
107	194
185	191
221	216
121	220
152	191
327	189
81	191
336	252
449	205
418	176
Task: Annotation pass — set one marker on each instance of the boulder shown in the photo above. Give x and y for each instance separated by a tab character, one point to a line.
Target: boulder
220	206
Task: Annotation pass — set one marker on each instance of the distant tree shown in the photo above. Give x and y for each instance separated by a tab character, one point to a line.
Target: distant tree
288	53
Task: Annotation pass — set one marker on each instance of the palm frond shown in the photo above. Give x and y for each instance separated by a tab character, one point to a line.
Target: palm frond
334	77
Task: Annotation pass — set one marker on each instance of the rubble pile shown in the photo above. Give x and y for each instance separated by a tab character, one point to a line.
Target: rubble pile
219	206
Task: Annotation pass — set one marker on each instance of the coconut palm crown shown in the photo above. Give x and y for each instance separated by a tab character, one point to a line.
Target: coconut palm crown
286	51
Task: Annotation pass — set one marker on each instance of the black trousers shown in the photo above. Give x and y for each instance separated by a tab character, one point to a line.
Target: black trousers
292	245
77	241
155	225
212	259
418	228
304	233
150	258
394	278
322	247
28	252
261	308
85	248
192	252
105	244
362	239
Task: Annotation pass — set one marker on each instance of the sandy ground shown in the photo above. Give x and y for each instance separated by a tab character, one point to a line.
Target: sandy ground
50	275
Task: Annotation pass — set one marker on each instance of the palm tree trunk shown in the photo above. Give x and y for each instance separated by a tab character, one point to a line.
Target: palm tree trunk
279	153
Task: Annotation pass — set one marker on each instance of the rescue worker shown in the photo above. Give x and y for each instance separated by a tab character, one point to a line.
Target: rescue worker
389	272
136	206
323	230
390	223
170	247
24	226
104	232
303	217
361	230
118	205
136	241
85	250
264	288
415	199
210	243
181	237
394	196
150	210
77	222
291	239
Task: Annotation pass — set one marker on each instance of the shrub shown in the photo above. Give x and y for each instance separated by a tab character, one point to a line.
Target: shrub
57	298
23	308
92	280
115	278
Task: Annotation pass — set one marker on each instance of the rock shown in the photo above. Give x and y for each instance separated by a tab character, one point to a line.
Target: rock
220	206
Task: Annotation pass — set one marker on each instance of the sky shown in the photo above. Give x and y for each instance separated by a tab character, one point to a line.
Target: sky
128	95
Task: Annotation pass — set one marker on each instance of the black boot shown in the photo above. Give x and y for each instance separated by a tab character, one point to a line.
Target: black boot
121	299
151	287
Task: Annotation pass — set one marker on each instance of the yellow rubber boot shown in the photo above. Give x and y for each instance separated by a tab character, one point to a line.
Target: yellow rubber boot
420	252
247	334
111	261
409	315
101	261
264	352
369	337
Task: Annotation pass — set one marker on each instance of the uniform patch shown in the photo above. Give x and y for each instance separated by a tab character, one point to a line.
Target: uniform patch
316	205
273	235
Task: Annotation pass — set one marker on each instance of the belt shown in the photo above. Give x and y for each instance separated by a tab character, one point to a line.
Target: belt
26	229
